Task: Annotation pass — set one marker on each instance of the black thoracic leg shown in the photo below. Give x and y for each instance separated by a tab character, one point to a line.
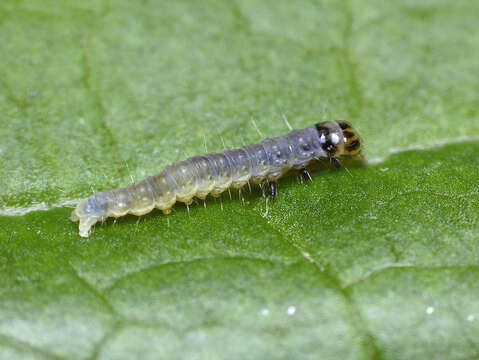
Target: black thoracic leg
272	190
336	163
305	174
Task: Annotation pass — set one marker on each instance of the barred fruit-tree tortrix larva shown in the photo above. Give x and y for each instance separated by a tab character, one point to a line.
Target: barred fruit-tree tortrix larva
212	174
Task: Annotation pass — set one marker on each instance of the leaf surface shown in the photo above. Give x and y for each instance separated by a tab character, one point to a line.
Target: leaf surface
376	262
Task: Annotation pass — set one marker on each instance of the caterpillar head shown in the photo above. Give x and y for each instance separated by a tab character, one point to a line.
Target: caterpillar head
338	138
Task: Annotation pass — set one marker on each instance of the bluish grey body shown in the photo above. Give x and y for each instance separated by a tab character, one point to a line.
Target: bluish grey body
214	173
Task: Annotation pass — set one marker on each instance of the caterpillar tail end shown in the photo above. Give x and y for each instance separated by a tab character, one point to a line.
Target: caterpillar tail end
87	214
85	225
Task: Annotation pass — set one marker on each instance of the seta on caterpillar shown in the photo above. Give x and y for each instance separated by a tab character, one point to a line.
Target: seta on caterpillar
212	174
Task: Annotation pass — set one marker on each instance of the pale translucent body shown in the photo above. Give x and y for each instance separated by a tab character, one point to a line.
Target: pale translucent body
203	175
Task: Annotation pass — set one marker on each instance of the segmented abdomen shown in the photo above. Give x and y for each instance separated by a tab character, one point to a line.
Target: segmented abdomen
213	174
202	175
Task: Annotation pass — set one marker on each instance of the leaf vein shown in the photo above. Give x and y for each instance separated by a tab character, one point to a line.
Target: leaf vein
27	347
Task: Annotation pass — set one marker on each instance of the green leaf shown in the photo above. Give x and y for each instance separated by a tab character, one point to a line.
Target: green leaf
376	262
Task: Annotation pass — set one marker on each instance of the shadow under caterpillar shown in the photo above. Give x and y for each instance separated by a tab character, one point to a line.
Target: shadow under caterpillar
213	174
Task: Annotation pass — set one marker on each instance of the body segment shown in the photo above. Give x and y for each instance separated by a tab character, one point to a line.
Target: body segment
213	174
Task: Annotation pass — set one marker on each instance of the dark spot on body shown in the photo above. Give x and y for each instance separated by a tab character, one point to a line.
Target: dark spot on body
322	129
344	125
329	147
348	134
353	145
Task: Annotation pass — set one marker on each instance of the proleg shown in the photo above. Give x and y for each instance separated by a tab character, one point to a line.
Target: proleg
212	174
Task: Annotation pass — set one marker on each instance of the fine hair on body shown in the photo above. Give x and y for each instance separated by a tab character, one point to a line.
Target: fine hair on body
198	176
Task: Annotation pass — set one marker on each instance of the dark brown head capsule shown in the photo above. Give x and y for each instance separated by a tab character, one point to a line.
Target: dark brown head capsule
338	138
352	141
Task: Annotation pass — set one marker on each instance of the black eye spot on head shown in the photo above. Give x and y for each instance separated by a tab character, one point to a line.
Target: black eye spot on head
329	147
327	139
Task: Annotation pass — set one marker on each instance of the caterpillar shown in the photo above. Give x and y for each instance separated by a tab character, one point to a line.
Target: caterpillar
198	176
